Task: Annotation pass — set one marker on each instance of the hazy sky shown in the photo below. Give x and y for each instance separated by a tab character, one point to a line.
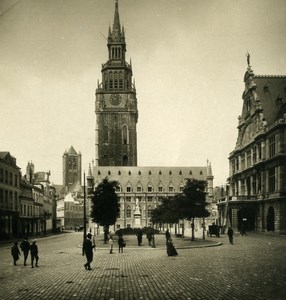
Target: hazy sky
188	58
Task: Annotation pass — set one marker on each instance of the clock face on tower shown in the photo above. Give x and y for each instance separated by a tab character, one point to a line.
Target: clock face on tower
115	99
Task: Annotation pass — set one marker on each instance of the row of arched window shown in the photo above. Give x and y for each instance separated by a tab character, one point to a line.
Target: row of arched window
115	81
150	189
124	135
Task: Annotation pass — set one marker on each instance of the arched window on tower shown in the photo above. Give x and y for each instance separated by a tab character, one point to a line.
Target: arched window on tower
125	160
120	80
125	139
105	135
110	75
115	81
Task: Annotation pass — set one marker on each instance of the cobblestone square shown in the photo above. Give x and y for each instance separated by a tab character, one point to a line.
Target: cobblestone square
252	268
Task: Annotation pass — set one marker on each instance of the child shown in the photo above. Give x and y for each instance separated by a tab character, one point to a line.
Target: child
15	252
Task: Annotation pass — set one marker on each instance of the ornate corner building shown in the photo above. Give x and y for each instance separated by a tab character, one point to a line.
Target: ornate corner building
257	165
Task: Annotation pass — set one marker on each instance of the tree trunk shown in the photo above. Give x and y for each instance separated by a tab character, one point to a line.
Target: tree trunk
106	232
193	229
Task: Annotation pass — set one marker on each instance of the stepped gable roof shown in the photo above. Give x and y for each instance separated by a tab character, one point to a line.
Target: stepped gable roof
157	176
271	91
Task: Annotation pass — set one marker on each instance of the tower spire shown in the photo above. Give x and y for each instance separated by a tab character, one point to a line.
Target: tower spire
116	30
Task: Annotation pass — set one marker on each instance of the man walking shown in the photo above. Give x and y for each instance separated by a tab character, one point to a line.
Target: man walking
25	247
87	251
34	253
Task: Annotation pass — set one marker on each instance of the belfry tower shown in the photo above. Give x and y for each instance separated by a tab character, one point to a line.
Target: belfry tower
116	105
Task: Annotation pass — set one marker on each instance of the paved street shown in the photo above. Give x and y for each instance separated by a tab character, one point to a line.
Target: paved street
253	268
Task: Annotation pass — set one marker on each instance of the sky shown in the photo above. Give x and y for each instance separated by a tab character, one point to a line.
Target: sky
188	59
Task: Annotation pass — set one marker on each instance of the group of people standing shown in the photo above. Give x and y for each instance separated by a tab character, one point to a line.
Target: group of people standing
26	247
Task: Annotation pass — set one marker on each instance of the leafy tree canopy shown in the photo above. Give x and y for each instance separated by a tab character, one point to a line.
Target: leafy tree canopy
105	203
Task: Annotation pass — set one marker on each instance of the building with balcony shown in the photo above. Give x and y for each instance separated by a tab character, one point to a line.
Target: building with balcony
257	166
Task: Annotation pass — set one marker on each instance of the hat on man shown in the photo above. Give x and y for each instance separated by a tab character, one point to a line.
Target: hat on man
89	235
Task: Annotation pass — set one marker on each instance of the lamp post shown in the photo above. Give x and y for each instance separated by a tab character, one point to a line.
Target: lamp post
84	208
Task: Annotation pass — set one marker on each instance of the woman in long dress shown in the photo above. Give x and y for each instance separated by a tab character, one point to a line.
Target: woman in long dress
171	250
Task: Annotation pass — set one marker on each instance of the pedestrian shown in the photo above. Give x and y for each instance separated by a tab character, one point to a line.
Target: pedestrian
230	235
121	244
25	247
149	236
15	252
171	250
167	235
139	235
34	254
110	244
87	248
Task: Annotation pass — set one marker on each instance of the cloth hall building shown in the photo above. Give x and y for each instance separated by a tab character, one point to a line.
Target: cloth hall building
116	141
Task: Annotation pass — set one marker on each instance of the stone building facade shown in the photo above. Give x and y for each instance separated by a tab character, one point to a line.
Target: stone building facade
10	176
148	185
257	182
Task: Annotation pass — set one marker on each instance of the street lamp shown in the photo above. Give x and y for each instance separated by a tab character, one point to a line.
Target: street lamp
84	208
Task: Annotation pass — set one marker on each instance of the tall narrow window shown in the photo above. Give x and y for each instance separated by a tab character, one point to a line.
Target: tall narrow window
125	139
105	135
128	212
248	158
116	81
271	180
254	155
272	150
110	80
120	80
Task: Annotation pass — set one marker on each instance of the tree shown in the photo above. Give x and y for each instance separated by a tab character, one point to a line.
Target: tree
192	203
105	205
165	212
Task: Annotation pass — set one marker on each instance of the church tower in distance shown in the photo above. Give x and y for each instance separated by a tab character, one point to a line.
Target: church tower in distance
116	105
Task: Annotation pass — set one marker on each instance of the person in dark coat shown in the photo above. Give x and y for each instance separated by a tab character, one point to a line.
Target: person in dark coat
15	252
121	244
87	251
167	235
139	235
149	235
25	247
171	250
34	253
230	235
